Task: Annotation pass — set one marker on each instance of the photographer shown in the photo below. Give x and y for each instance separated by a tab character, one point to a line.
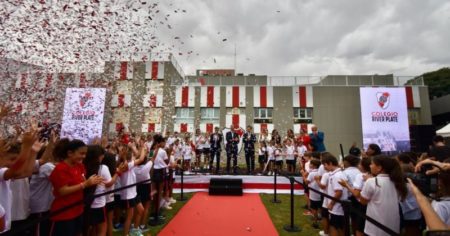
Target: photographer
436	214
439	151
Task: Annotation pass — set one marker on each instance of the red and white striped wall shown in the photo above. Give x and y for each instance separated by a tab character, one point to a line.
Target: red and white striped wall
235	96
123	70
257	128
302	96
183	127
46	106
48	81
151	128
185	96
262	96
307	127
81	80
412	96
154	70
210	96
152	100
208	127
236	120
121	100
116	127
23	81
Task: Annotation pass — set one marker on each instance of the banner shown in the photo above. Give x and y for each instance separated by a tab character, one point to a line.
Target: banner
83	113
384	117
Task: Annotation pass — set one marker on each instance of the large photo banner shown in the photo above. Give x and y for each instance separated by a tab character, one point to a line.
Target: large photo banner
384	116
83	113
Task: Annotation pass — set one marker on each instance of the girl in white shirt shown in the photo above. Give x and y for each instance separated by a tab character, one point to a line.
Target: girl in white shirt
188	151
128	196
358	223
262	155
382	194
160	164
278	153
270	157
289	151
96	216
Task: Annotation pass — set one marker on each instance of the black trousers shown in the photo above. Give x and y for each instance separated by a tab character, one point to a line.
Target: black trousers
215	153
250	160
231	154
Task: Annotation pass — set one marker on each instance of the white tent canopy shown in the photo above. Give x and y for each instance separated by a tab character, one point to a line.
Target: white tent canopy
445	131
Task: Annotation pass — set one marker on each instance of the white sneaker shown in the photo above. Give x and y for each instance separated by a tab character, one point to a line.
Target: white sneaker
167	207
172	200
322	233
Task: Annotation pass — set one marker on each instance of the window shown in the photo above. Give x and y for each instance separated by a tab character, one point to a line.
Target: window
303	115
185	113
153	115
154	87
235	111
263	115
209	113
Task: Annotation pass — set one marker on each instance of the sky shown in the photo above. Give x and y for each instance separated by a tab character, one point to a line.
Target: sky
277	38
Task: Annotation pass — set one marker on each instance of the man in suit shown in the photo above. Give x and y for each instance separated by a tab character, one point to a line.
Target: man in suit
232	148
215	140
317	138
249	140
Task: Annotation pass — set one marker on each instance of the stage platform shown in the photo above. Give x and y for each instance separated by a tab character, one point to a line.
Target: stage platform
251	183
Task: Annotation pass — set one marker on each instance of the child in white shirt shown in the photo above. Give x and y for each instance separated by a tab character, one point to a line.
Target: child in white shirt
314	198
270	156
289	151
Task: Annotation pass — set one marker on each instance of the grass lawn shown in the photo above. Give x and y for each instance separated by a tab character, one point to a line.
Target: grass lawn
154	230
280	214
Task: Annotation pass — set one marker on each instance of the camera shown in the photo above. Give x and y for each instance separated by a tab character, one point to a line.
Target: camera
427	184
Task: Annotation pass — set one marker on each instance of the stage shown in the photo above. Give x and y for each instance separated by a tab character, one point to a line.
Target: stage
251	183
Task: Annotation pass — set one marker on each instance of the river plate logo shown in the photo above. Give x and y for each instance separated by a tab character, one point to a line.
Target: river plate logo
383	99
85	99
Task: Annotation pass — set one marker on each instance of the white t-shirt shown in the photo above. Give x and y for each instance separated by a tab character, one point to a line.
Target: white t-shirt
161	156
359	181
128	178
351	173
262	151
442	208
324	181
6	198
187	152
100	188
143	171
199	142
301	150
290	152
410	207
20	189
322	170
270	153
383	204
278	156
308	167
333	185
41	196
313	196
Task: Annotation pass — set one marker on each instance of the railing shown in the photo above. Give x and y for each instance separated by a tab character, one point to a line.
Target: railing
330	80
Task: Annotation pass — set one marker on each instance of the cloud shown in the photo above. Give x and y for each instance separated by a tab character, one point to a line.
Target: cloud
292	37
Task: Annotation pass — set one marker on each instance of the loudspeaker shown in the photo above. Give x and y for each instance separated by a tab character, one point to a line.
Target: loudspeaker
219	186
421	137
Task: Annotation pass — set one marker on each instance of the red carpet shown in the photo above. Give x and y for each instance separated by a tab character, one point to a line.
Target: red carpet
222	215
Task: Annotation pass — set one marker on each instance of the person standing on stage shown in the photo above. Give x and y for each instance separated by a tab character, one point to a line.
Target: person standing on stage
215	140
317	138
249	140
232	148
199	141
264	136
276	136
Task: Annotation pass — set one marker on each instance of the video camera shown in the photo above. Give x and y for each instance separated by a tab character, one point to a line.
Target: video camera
427	184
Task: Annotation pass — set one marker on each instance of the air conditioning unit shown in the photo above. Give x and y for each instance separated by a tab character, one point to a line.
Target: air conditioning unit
240	74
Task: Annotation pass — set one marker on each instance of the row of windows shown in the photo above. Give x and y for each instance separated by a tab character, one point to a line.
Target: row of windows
260	113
